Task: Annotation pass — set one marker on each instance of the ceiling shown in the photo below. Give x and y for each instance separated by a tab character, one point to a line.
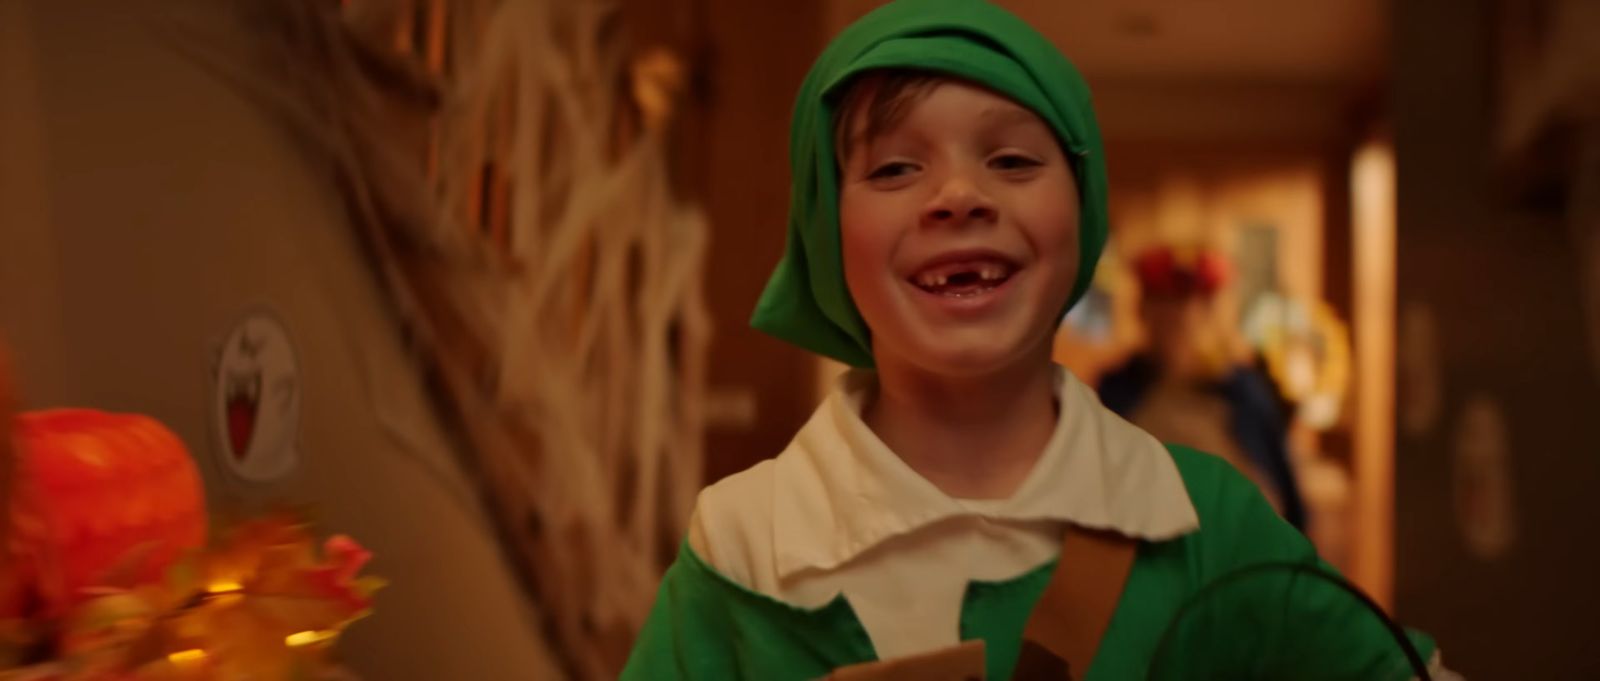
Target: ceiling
1300	41
1196	69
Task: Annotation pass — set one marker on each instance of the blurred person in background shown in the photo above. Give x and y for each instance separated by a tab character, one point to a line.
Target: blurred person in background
1194	382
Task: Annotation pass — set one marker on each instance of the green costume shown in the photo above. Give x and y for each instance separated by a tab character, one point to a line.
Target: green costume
704	626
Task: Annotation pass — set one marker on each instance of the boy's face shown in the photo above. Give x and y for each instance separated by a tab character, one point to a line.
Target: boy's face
959	228
1174	324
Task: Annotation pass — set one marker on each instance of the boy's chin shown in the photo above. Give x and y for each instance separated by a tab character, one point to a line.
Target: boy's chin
976	359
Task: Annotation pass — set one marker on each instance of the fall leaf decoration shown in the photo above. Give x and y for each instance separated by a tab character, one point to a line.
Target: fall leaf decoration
266	602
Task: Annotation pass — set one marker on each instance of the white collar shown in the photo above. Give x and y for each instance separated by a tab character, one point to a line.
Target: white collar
843	491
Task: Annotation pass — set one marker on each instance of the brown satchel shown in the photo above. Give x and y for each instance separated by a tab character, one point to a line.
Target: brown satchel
1061	635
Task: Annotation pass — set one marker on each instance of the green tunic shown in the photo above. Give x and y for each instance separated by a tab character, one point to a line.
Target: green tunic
705	626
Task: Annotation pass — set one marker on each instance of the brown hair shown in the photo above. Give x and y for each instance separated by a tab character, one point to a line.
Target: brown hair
885	96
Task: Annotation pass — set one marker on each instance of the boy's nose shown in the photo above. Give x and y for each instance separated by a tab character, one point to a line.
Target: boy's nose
958	202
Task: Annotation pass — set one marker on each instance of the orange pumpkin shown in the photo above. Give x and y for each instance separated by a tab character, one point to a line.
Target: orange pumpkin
100	497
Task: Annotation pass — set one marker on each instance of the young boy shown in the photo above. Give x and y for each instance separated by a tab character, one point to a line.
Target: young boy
948	206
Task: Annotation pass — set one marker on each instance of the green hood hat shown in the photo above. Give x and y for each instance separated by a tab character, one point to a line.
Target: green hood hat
806	301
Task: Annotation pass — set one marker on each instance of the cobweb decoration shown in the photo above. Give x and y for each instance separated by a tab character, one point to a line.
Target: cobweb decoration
504	164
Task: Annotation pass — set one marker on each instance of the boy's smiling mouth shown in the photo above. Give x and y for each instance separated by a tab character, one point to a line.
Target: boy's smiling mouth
962	275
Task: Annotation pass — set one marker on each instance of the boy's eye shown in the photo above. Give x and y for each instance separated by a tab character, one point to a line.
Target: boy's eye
891	170
1014	162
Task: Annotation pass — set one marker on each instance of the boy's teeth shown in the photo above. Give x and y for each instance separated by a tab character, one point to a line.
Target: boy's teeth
986	273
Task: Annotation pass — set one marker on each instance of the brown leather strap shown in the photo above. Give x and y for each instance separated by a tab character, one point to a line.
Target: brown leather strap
963	662
1064	631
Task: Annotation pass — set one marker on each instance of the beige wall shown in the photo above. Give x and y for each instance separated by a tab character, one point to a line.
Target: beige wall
143	208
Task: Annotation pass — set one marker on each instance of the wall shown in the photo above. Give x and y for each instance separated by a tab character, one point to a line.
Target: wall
1501	288
143	208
